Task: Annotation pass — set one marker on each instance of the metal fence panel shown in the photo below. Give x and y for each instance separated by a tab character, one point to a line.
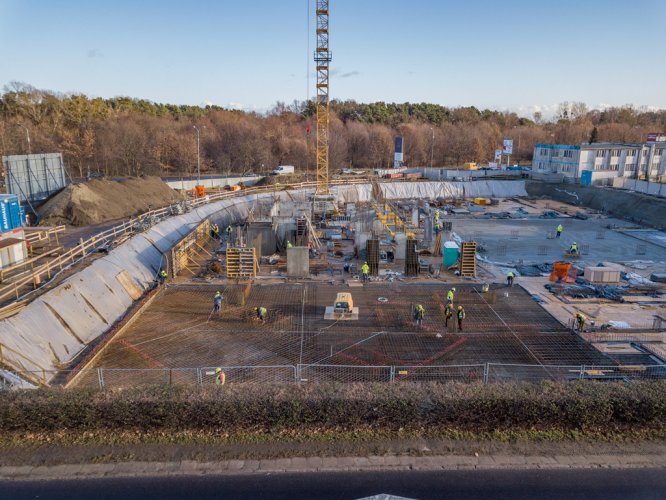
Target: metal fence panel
344	373
259	374
440	373
531	373
34	177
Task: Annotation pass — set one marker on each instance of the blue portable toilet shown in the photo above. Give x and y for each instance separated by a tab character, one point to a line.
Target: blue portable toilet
586	178
11	213
451	253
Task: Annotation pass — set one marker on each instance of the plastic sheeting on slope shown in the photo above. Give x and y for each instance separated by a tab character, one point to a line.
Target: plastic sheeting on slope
55	327
431	190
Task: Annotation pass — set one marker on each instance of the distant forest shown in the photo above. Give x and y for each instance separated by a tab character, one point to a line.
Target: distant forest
125	136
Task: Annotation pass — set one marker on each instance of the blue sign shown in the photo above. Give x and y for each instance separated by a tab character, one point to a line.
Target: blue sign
398	144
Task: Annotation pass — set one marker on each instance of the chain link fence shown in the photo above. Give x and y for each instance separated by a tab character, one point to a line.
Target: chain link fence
112	378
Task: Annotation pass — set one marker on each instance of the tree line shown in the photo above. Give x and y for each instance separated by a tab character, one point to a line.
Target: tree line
125	136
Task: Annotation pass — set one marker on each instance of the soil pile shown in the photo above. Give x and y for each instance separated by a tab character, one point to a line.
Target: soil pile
271	180
103	200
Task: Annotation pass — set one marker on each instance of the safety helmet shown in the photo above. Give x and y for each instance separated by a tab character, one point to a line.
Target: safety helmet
218	292
459	307
574	242
453	289
218	370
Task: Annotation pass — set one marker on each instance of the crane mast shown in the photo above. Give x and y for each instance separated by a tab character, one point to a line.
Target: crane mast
322	58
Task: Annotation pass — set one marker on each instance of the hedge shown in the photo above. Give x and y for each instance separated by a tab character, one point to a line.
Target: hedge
243	408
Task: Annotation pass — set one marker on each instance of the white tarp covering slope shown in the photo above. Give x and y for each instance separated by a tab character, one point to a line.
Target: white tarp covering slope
431	190
55	327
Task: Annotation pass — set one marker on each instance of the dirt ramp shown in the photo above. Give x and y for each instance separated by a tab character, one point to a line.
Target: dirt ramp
104	200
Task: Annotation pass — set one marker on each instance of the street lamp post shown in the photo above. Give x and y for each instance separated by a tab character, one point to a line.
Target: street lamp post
432	146
27	134
198	157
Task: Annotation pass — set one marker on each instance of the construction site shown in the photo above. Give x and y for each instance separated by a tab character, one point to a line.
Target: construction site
344	281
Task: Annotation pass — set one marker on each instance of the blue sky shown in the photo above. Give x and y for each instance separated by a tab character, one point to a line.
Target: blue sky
521	55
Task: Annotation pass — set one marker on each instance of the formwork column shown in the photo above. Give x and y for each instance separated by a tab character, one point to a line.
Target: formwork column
372	256
411	258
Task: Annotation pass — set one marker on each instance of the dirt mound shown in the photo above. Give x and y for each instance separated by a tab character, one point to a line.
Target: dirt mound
103	200
271	180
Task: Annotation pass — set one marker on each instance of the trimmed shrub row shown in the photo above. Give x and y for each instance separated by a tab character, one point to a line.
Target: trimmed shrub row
474	407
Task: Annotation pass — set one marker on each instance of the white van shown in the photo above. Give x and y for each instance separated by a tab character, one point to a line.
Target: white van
283	169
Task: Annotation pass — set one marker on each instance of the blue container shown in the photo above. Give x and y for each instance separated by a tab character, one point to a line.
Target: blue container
451	253
11	213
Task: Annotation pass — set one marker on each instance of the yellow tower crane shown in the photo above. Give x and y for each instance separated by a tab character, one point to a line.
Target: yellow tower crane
322	58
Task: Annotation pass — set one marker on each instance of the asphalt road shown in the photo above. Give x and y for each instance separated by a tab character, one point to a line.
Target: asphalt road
570	484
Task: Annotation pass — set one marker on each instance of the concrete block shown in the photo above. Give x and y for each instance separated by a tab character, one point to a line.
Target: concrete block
298	262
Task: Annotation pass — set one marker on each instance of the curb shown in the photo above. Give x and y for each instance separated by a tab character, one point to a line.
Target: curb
329	464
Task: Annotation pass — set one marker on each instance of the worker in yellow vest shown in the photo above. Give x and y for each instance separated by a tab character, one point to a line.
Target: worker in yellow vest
461	317
261	313
220	377
419	314
365	271
580	321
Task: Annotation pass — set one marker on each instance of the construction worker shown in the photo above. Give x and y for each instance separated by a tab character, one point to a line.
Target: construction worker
162	276
419	313
436	216
289	245
559	230
261	313
217	303
448	314
220	377
449	296
509	278
365	271
580	321
461	317
573	248
216	231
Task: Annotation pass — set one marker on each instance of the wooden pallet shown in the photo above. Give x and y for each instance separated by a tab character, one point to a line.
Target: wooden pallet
468	259
241	263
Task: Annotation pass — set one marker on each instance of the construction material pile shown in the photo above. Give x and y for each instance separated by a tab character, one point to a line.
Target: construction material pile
103	200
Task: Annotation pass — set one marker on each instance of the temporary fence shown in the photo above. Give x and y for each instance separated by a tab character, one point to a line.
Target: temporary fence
114	378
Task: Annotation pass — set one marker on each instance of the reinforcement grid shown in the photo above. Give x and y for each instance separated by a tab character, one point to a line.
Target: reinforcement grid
501	326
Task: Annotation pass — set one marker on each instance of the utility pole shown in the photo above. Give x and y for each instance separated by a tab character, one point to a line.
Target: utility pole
432	146
198	157
27	134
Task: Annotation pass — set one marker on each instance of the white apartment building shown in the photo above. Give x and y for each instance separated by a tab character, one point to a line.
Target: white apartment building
595	163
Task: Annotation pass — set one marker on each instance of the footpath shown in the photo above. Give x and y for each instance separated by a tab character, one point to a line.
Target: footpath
330	464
